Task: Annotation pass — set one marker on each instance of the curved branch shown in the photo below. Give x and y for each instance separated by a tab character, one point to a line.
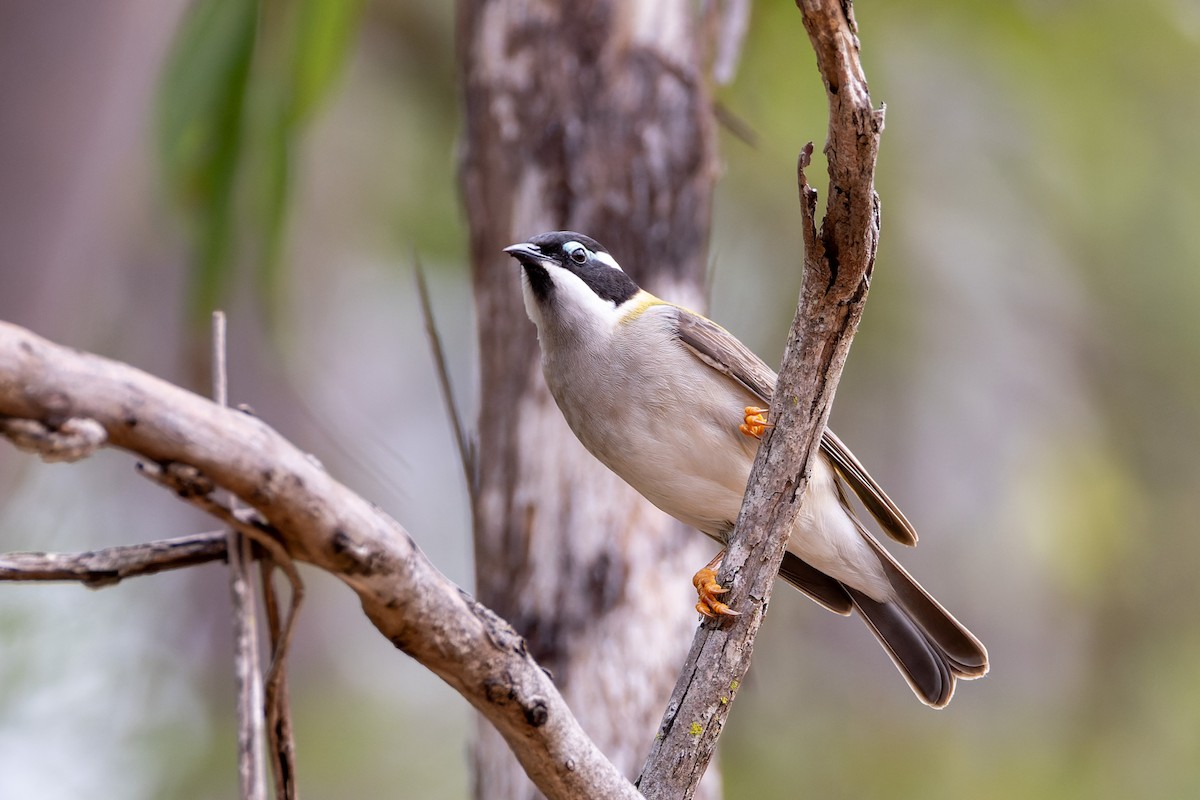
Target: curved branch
321	522
837	269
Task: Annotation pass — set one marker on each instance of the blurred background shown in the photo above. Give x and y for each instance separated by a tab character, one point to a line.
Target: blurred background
1026	381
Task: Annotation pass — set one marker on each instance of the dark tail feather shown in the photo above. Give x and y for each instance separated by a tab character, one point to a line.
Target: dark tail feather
926	667
965	654
927	644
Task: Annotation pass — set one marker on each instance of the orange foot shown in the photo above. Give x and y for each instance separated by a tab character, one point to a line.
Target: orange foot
756	422
708	590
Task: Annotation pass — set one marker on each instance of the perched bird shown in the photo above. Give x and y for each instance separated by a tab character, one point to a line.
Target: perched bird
674	404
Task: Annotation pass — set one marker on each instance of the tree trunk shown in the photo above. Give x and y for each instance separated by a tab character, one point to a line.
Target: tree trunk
589	116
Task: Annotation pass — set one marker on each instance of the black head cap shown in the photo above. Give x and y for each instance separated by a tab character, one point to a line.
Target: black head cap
576	253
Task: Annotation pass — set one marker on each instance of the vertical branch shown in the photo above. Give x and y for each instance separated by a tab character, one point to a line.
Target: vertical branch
262	704
278	707
466	448
251	756
837	268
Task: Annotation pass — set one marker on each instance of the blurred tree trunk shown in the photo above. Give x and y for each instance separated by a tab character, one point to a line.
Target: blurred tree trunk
589	116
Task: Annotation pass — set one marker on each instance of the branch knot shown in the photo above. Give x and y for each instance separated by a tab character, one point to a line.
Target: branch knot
75	439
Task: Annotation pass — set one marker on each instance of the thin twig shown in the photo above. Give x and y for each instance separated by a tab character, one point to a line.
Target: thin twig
252	773
272	690
192	486
738	127
279	717
97	569
466	452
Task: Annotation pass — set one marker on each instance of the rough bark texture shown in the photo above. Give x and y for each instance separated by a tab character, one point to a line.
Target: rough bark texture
50	392
589	116
837	269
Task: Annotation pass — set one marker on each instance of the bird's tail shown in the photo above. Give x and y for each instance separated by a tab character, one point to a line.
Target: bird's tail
929	646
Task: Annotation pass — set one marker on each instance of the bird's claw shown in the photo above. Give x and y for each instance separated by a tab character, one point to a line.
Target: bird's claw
755	423
708	591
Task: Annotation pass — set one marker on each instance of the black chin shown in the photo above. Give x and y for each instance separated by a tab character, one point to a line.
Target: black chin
539	279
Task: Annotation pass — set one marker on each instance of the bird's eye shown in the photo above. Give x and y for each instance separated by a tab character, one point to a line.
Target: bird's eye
576	252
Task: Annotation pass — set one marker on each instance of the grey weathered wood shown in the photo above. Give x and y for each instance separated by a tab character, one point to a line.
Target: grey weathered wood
247	672
111	565
837	268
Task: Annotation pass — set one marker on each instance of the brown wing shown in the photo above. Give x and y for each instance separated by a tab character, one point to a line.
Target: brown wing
876	501
720	349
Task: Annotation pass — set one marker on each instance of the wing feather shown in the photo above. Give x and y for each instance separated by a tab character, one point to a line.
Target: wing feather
721	350
886	513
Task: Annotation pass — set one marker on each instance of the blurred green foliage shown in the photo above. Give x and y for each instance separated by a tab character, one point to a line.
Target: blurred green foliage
203	99
242	82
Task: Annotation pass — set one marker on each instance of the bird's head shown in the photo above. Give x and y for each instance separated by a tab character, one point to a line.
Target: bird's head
570	280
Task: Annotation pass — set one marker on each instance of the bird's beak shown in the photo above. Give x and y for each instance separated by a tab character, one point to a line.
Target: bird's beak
526	253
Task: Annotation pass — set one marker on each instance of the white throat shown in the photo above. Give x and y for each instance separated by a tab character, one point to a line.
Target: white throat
571	313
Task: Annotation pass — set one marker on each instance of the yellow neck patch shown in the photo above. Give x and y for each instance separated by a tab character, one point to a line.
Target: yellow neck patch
639	304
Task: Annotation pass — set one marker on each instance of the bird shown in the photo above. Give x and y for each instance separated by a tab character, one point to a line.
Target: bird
675	405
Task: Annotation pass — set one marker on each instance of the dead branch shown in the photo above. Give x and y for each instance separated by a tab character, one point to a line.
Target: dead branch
252	773
837	269
99	568
294	505
280	735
